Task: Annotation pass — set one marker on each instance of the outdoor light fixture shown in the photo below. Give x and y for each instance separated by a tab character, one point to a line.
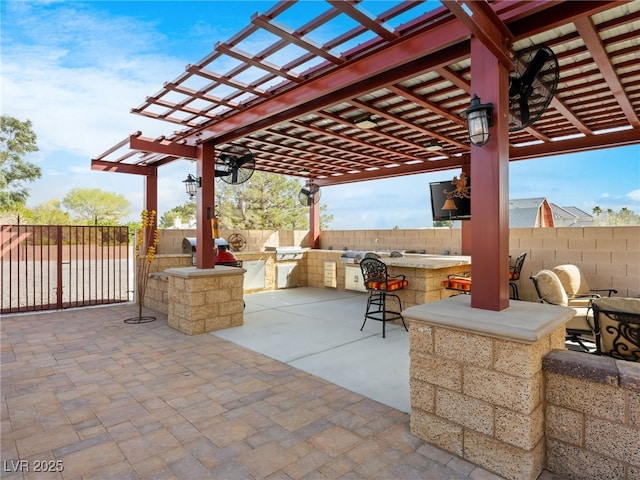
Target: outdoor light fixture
479	119
191	184
365	122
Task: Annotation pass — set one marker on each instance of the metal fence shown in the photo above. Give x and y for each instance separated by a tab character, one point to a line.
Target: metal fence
46	267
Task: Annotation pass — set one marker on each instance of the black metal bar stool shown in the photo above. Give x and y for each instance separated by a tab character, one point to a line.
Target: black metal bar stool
379	283
514	275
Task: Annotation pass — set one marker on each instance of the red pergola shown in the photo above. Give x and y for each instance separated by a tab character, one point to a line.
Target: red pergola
413	71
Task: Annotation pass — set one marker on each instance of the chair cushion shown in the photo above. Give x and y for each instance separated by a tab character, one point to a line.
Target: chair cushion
619	304
550	288
456	282
618	339
582	320
580	302
392	284
572	280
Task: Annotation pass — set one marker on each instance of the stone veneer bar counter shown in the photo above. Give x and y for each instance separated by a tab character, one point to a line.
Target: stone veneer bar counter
204	300
426	274
476	379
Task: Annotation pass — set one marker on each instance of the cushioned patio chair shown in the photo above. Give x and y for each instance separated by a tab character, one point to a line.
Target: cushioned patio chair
617	327
379	283
580	328
579	294
514	274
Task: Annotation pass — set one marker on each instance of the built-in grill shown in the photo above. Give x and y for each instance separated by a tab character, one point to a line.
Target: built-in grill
224	256
286	253
352	256
355	256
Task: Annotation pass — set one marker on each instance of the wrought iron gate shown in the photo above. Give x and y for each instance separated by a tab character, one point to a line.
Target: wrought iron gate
46	267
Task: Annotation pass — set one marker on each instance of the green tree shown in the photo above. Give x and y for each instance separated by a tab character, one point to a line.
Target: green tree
48	213
185	213
17	139
623	217
266	201
443	223
95	206
325	218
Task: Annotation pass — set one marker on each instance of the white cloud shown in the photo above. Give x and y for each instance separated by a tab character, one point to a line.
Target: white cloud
634	195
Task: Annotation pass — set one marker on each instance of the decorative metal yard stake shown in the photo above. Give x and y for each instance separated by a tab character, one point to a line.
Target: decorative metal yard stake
146	246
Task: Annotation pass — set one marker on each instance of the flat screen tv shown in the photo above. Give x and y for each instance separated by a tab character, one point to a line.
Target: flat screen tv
455	191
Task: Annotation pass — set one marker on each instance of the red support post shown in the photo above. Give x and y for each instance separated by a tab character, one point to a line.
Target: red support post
490	185
466	228
205	206
314	225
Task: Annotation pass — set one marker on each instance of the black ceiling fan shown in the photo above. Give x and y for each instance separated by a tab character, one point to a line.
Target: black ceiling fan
532	85
235	165
309	194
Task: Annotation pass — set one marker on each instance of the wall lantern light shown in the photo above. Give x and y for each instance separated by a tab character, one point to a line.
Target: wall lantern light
191	184
479	119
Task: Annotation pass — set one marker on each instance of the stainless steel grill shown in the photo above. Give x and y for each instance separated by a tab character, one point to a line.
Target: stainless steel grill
286	253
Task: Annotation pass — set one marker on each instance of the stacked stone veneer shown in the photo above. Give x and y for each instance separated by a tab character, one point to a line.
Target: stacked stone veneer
478	396
592	416
204	300
157	294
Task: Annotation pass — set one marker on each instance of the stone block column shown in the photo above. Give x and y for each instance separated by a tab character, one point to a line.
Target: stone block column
204	300
476	379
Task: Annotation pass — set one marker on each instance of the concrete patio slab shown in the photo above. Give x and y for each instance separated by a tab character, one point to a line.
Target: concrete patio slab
318	331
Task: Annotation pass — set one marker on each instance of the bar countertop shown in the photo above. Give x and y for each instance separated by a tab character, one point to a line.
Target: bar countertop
427	261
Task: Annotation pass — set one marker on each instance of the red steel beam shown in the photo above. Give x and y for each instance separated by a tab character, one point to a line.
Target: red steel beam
179	150
594	44
105	166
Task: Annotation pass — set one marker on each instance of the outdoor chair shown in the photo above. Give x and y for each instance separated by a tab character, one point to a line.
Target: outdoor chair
579	294
580	328
462	283
617	327
514	274
379	284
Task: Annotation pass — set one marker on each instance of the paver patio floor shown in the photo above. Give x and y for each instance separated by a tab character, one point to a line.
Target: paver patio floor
118	401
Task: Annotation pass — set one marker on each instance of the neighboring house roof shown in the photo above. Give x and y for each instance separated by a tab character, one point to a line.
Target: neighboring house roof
578	212
523	217
538	212
525	202
530	212
570	216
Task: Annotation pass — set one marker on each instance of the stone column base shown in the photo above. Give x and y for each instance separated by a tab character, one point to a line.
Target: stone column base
204	300
477	386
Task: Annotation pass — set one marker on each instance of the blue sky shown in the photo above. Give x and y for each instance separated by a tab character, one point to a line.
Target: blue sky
75	69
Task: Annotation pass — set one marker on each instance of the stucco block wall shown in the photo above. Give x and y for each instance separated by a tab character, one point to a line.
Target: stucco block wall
608	256
171	239
432	240
592	416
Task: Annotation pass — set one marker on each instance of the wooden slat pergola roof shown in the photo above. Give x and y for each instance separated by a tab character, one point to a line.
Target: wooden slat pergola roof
323	65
